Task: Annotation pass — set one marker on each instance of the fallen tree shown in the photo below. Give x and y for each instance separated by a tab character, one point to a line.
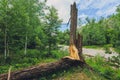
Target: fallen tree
39	71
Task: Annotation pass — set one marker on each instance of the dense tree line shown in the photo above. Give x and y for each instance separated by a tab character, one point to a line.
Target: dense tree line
27	24
105	31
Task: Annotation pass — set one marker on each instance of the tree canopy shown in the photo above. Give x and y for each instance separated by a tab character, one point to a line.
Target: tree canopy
27	24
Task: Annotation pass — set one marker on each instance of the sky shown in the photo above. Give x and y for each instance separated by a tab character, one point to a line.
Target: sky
86	8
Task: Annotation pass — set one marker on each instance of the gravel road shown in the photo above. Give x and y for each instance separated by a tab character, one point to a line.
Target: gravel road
100	52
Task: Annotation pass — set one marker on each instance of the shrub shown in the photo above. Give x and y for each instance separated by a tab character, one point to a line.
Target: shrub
107	49
59	54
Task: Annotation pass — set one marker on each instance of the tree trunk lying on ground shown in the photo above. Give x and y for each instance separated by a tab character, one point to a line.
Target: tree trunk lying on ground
43	70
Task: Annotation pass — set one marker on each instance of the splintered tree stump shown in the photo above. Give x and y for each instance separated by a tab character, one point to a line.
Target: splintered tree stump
75	40
39	71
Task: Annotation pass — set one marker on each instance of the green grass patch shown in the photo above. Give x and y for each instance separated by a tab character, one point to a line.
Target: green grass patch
74	73
99	46
103	68
117	50
93	47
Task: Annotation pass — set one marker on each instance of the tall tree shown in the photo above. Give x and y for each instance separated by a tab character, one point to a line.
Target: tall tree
52	24
4	19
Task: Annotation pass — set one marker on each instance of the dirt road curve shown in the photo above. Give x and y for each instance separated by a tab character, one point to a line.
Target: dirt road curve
100	52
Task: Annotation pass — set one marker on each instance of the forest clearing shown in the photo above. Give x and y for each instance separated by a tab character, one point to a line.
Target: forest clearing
32	46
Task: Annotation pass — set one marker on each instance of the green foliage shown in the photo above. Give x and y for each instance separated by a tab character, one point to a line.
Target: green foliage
103	68
117	50
25	25
63	37
34	57
93	33
4	69
115	61
107	48
102	32
51	30
93	47
18	20
58	54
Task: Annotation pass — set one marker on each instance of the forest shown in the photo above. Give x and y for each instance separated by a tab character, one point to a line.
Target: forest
30	35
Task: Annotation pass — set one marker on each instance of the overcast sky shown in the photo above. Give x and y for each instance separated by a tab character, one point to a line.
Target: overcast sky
86	8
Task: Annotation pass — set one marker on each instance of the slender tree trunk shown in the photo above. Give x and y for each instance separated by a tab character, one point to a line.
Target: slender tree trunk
7	49
5	38
26	37
5	44
49	49
25	52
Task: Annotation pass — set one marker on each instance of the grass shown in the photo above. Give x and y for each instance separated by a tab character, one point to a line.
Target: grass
117	50
103	68
93	47
98	46
75	73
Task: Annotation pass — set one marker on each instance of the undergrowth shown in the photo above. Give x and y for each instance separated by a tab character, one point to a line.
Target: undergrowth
74	73
103	68
33	57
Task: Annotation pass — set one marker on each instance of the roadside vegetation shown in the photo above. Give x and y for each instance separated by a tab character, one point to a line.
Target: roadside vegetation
104	68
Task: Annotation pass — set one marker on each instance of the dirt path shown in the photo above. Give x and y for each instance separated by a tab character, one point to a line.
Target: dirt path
94	52
100	52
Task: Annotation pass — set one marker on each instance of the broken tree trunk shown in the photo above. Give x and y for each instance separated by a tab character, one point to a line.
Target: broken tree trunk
75	41
43	70
73	24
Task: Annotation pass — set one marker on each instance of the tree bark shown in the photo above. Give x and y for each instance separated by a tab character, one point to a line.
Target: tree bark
25	52
75	40
39	71
7	49
73	24
5	44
